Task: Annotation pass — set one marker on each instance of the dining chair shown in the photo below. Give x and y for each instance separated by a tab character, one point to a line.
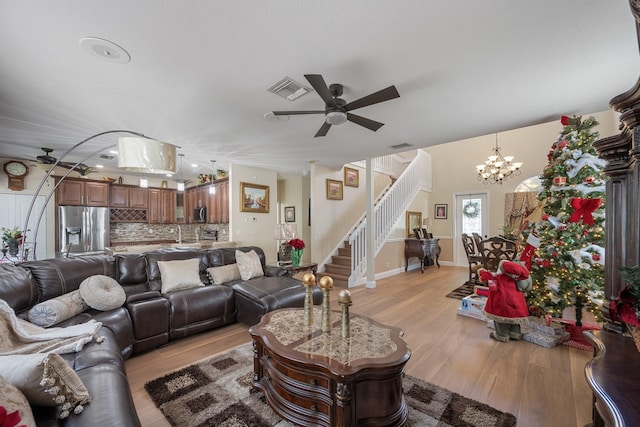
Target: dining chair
495	249
473	257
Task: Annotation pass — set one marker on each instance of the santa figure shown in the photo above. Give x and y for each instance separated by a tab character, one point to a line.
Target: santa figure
506	304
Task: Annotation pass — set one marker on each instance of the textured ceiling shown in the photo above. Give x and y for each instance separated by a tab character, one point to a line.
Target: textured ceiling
200	70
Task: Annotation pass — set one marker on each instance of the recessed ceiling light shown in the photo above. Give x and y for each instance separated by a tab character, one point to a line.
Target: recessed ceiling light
99	166
194	165
105	49
113	151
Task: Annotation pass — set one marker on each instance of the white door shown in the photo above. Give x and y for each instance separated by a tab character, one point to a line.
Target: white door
471	216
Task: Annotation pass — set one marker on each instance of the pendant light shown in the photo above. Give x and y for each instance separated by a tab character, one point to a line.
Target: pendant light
180	181
212	188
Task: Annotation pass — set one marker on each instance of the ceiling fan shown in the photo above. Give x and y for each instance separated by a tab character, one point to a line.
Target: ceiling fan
47	159
337	110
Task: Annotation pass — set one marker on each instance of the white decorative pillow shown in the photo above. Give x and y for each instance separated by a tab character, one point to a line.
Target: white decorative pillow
249	264
179	275
223	274
55	310
102	293
46	380
13	400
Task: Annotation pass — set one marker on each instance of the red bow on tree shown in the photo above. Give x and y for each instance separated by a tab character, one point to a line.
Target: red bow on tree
583	209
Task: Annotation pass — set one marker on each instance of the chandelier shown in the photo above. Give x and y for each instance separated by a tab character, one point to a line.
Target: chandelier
497	167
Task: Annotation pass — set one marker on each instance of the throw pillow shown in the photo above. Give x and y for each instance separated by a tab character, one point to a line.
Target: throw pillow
13	400
102	293
179	275
223	274
55	310
249	264
46	380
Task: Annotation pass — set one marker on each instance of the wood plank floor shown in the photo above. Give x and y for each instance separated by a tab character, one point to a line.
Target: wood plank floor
542	387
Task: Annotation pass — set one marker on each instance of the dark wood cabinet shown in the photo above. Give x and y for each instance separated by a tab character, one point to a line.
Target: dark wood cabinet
426	250
82	192
162	206
126	196
217	204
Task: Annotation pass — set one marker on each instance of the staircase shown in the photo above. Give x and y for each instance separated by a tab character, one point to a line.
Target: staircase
340	267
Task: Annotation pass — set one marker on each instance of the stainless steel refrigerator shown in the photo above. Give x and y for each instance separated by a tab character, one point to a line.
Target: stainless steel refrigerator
82	229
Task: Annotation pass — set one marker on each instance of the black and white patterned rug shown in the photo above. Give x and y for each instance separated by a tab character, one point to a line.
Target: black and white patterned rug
216	392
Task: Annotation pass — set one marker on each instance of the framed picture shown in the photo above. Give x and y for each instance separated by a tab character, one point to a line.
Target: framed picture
334	189
255	198
290	214
440	211
351	177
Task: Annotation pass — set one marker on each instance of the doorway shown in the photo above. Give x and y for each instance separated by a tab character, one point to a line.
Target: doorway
471	216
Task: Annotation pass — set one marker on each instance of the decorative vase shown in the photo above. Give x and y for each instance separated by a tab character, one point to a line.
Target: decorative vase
13	247
296	256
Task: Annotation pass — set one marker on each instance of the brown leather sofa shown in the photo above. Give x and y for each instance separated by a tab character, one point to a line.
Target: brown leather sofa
147	320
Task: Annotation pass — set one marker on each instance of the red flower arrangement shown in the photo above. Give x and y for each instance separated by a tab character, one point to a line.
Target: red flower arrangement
296	243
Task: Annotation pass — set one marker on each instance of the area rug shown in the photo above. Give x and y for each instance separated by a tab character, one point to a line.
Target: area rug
462	291
216	392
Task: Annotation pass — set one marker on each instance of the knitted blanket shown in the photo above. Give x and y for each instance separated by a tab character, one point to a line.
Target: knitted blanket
18	336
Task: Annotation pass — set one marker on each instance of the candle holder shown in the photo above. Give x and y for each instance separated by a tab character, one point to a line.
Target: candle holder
326	284
309	281
344	299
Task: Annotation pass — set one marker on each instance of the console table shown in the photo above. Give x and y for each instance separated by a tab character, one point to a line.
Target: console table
424	249
311	378
614	376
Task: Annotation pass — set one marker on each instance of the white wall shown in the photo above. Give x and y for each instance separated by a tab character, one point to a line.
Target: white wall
250	228
32	181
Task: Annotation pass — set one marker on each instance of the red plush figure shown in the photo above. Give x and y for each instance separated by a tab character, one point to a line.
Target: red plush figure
506	304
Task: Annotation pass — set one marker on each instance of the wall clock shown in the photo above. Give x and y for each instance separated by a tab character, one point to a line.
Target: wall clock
16	171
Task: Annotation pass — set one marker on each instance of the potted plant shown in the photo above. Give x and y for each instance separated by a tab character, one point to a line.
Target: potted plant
13	238
626	308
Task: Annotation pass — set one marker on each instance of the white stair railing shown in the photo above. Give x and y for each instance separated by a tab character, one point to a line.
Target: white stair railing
387	211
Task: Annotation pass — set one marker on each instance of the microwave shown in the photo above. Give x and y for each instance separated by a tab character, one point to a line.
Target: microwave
200	214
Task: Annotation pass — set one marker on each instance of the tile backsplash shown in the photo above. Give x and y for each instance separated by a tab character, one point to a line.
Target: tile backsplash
143	232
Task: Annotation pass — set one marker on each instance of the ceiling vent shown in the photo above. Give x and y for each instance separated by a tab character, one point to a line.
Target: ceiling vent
289	89
399	146
106	157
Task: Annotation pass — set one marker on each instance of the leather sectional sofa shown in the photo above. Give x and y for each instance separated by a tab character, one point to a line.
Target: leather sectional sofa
147	320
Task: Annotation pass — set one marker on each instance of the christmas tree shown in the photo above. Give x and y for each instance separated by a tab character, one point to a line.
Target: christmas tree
567	267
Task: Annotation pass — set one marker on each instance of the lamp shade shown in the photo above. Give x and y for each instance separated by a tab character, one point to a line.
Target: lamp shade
146	155
286	231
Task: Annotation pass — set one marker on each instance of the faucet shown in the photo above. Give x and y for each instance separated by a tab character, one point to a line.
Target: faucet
179	234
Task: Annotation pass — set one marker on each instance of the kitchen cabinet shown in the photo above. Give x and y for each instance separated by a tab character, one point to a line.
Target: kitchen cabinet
82	192
217	204
126	196
162	206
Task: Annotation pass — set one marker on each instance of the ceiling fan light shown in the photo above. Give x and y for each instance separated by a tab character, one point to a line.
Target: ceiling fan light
180	186
336	118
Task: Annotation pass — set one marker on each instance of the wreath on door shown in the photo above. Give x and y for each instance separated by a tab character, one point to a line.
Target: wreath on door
471	210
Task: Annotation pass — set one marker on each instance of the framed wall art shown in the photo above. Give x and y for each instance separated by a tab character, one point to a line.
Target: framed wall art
351	177
334	189
255	198
290	214
440	211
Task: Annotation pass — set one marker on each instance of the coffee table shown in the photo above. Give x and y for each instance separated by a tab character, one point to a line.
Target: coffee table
312	378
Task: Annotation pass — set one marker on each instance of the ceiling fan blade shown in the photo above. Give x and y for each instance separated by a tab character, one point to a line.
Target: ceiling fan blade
293	113
380	96
319	85
323	130
363	121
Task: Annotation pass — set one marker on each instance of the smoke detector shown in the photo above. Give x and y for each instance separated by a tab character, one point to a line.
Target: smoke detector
105	49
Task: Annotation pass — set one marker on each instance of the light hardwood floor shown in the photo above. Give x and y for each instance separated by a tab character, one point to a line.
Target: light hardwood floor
541	387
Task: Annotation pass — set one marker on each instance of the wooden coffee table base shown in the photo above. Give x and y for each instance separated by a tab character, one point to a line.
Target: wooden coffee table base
310	389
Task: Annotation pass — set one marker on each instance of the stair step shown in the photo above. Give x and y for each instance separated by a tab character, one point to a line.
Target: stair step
341	260
339	269
344	252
